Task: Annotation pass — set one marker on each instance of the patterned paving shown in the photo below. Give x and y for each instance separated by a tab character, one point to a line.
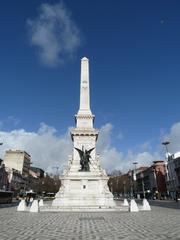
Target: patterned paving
159	224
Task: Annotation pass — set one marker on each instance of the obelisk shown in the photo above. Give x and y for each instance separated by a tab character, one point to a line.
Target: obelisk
84	117
84	135
84	107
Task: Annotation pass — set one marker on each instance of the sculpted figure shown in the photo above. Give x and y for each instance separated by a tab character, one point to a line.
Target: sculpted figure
84	158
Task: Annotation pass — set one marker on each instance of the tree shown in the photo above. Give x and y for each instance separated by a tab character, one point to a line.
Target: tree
115	172
46	184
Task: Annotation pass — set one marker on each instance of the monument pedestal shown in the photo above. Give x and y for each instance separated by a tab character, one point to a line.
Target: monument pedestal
84	190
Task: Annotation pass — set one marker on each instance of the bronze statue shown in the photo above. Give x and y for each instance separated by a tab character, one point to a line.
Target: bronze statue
84	158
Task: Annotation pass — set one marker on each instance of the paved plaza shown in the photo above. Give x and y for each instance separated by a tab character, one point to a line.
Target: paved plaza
161	223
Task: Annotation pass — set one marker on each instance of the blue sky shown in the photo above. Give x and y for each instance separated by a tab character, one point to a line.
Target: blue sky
133	48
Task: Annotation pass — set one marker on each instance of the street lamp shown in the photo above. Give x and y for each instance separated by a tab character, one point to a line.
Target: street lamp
124	188
134	175
142	178
117	185
131	182
134	179
165	144
1	143
166	165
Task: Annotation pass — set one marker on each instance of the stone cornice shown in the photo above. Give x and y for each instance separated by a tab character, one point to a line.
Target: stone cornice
84	132
89	116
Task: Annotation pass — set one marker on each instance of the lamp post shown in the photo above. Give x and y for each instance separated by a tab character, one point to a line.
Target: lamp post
131	182
142	179
166	164
134	178
117	186
124	188
165	144
134	175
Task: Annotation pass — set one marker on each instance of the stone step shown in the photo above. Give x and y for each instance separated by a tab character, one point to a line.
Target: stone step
83	209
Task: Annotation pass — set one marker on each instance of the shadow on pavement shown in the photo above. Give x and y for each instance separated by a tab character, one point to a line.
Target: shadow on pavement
165	204
7	205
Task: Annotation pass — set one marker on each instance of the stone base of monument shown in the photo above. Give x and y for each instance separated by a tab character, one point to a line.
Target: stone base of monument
84	191
145	205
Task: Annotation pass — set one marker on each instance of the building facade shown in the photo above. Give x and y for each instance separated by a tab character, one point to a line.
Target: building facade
177	169
171	178
36	172
151	182
4	183
18	160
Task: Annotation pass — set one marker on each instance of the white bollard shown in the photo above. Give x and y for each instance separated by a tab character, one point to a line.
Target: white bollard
146	206
22	206
133	207
41	203
34	207
125	203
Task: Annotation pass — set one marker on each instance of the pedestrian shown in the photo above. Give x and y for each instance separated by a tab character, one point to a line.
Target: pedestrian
31	200
27	200
176	197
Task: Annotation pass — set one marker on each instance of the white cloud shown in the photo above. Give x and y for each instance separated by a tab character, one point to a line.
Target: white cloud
54	33
112	159
49	150
174	137
46	149
143	158
109	156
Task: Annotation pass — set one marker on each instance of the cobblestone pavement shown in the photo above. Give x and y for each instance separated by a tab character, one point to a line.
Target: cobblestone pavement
159	224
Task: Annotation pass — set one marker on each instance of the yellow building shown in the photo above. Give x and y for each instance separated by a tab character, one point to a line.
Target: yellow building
18	160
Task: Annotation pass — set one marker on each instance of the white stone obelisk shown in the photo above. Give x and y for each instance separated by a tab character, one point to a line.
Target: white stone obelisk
84	107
